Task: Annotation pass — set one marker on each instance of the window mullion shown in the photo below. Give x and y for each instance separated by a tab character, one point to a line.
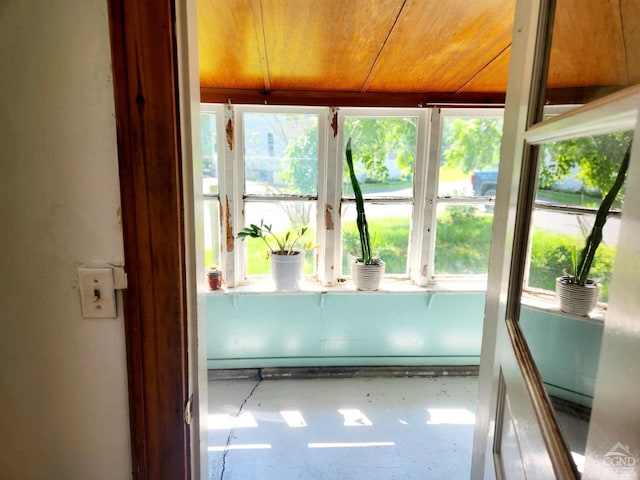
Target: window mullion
230	197
425	261
329	197
419	195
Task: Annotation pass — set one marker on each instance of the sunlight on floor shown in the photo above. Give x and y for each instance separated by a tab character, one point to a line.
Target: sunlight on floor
293	418
352	429
225	421
451	416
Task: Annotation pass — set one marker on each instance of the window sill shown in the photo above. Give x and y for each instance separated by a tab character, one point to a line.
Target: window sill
388	286
546	302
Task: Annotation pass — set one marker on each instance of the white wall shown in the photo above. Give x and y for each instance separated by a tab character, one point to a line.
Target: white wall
63	384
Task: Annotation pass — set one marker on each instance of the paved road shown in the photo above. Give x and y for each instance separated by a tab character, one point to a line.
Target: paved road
574	225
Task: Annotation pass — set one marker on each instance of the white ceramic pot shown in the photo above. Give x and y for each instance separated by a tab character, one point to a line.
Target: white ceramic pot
367	277
286	270
577	299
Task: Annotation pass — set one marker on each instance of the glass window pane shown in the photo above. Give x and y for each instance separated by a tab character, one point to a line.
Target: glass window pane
211	233
281	154
389	227
470	156
577	171
590	53
283	217
384	152
209	152
557	237
463	239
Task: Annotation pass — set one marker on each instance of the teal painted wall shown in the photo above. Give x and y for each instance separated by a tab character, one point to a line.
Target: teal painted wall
347	329
343	329
566	350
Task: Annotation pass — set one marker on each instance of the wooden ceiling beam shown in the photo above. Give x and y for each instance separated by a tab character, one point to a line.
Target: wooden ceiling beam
555	96
348	99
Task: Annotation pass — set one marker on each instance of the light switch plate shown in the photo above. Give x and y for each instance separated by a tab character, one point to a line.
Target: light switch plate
97	292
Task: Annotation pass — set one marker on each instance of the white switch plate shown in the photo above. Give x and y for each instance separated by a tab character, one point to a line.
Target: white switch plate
97	292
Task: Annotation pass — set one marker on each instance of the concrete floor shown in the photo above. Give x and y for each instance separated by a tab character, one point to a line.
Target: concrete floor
347	429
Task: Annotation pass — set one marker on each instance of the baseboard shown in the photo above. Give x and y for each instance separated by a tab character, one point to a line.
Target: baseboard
275	373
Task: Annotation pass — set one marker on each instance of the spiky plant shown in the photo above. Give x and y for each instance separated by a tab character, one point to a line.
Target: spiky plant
583	266
361	221
285	243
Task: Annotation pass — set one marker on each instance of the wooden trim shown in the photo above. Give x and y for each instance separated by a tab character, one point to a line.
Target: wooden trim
146	99
556	96
613	113
559	451
579	95
499	427
348	99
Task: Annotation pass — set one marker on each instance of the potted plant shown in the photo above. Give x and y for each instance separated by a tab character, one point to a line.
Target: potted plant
575	291
366	271
286	253
214	277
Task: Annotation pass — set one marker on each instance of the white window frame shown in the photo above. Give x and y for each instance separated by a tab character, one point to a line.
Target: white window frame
231	197
235	181
435	199
419	185
220	112
539	135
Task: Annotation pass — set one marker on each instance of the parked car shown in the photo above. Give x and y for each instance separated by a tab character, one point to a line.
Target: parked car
483	183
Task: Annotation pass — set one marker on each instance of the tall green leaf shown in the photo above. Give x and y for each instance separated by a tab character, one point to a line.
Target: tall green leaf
595	237
361	220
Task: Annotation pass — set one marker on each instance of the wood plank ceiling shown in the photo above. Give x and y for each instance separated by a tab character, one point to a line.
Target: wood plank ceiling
401	52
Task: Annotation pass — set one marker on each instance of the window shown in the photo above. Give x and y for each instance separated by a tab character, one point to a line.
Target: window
209	163
573	175
467	180
280	159
428	178
384	152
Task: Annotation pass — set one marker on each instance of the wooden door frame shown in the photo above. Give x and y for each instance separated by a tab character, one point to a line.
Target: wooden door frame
144	55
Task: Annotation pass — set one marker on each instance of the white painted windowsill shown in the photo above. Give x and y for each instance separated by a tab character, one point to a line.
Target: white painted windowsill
546	302
537	300
388	286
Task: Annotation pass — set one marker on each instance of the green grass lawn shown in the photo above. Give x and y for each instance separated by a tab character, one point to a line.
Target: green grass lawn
447	174
463	241
390	186
551	254
568	198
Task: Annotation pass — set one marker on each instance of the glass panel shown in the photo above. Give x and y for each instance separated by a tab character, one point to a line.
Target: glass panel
211	233
592	51
281	154
384	152
209	152
283	217
557	237
389	227
578	170
470	157
463	239
573	174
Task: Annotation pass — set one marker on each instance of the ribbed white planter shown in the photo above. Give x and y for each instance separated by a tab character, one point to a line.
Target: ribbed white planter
367	277
577	299
286	270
